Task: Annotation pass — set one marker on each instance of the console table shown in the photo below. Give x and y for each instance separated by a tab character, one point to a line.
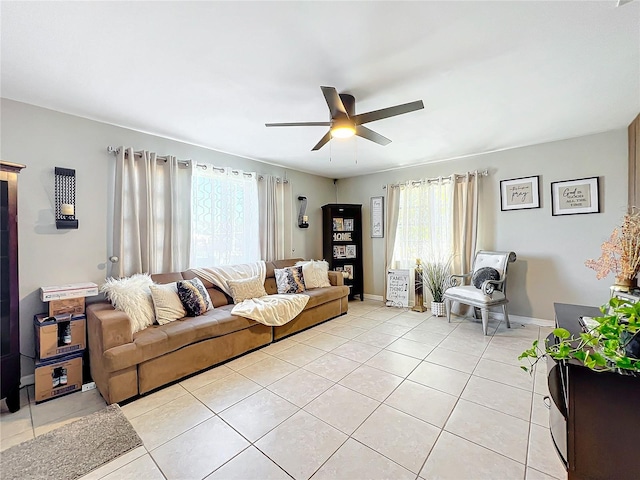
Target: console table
594	417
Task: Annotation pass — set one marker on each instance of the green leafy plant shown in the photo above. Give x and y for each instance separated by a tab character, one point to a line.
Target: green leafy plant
603	348
435	277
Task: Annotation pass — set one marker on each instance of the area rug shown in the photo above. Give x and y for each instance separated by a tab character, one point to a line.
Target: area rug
72	450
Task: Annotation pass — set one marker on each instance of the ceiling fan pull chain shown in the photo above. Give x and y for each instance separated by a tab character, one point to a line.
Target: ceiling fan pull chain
355	148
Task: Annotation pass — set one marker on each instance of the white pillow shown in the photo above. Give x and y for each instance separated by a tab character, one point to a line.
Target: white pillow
246	288
315	273
132	296
166	303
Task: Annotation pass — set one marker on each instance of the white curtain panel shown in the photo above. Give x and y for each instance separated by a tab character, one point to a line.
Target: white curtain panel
393	207
275	219
425	223
225	217
465	221
151	214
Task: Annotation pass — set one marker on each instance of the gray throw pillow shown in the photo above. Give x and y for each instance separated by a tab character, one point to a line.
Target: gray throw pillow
485	273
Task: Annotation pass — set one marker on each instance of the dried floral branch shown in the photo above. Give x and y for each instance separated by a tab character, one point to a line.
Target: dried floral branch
621	252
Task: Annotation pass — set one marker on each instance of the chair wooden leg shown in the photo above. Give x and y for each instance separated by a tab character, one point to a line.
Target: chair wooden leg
485	320
506	315
447	307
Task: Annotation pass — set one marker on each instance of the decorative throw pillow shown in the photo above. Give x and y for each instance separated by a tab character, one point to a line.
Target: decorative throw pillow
246	288
315	273
166	303
485	273
289	280
194	297
132	296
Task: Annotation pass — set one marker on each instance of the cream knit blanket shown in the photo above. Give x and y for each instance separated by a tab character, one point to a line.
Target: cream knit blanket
272	310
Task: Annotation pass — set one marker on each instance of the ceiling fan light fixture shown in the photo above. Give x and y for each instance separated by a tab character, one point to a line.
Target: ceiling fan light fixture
343	129
343	132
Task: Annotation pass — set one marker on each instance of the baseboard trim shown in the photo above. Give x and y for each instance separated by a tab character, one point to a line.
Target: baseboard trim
541	322
27	380
370	296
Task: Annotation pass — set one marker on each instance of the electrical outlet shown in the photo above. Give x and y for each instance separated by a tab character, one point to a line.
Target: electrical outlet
88	386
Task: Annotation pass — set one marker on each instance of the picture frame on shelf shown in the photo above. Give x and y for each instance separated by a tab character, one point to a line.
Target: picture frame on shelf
520	193
338	224
348	224
377	217
350	251
349	270
574	197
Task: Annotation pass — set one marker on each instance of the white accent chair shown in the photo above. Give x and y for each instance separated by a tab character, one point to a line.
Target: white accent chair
492	293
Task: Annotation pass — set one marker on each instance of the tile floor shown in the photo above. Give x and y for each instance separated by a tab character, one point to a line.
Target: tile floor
376	393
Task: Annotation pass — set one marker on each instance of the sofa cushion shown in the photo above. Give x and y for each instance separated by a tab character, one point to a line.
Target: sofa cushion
158	340
132	296
218	297
289	280
315	273
246	288
166	303
318	296
194	297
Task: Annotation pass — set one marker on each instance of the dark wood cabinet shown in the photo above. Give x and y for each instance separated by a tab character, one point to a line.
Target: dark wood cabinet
594	417
9	295
342	243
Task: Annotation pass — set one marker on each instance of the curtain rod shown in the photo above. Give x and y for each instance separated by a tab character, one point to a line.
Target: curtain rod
203	166
457	176
162	158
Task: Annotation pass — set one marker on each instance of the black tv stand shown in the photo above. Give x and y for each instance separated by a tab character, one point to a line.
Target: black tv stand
594	417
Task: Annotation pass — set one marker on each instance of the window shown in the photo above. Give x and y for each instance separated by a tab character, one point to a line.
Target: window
224	217
425	223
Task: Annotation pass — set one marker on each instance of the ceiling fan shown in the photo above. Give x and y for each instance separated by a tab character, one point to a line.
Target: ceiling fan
345	123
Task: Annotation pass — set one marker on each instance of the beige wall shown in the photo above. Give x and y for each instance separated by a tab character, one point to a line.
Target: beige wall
43	139
551	250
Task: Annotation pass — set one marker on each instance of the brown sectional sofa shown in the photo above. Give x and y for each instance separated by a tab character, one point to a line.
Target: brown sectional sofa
124	365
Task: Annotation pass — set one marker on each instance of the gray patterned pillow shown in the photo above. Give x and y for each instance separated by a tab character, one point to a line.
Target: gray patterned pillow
194	297
289	280
485	273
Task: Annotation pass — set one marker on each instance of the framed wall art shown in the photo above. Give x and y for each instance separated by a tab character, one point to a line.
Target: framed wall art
572	197
520	193
377	217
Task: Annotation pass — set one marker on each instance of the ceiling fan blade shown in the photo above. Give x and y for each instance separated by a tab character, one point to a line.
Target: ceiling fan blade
336	107
323	141
387	112
299	124
369	134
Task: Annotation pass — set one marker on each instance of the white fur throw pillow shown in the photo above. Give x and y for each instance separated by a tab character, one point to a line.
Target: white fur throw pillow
246	288
132	296
166	303
315	273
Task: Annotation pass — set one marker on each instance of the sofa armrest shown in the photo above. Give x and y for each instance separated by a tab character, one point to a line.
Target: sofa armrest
336	278
107	327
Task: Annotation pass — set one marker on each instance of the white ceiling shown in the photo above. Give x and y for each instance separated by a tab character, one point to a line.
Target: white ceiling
492	75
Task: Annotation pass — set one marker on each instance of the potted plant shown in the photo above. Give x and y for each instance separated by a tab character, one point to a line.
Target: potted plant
435	274
612	344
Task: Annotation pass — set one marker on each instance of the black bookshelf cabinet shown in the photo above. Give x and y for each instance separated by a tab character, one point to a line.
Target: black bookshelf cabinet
342	243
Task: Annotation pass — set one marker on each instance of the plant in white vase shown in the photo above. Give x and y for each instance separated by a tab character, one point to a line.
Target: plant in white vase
435	276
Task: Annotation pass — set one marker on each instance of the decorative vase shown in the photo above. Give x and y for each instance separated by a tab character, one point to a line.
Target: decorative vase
625	284
437	308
